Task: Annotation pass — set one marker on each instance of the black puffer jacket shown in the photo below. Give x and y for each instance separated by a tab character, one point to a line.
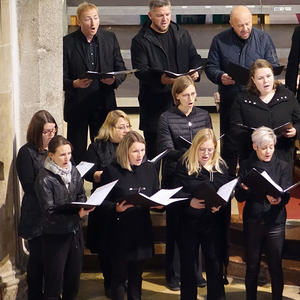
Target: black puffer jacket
28	164
258	208
172	124
52	193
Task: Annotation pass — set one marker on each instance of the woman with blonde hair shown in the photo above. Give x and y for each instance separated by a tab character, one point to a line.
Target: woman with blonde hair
200	164
182	120
130	235
102	152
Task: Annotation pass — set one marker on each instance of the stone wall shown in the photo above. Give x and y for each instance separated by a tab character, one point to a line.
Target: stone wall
30	79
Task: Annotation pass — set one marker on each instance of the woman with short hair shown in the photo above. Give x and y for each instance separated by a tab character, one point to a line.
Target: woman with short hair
264	216
42	128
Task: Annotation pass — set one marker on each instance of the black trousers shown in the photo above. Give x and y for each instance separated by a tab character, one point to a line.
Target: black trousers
106	268
62	256
35	269
122	270
172	259
229	149
194	233
151	147
77	132
272	237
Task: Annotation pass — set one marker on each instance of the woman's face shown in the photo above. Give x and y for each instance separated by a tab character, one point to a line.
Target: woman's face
136	153
264	80
206	152
187	98
48	133
62	156
121	128
265	152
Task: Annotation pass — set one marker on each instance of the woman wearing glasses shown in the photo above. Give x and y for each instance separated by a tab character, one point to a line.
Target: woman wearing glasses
130	234
200	164
42	128
102	152
183	119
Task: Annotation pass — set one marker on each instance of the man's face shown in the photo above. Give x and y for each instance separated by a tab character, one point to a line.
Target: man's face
161	18
242	24
89	22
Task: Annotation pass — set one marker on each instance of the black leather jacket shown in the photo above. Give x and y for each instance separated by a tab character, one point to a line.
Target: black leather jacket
52	193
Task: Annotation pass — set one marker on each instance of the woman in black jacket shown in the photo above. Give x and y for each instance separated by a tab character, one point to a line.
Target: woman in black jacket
183	119
30	159
130	235
267	103
200	164
264	216
102	152
57	184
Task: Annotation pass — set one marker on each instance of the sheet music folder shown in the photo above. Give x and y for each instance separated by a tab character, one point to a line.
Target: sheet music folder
97	75
95	199
162	197
241	74
212	197
264	184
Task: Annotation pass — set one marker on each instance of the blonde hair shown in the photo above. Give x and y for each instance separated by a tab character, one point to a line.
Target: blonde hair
262	136
108	128
123	148
85	6
179	85
259	64
191	156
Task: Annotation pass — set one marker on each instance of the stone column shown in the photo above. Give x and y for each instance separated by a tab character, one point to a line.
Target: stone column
30	79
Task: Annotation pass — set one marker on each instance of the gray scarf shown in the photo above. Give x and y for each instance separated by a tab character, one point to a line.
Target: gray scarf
65	174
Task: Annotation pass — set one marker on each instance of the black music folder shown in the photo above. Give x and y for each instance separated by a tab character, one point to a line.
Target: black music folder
97	75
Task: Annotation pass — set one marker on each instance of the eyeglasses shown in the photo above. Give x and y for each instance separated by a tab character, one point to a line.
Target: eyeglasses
209	150
49	131
123	127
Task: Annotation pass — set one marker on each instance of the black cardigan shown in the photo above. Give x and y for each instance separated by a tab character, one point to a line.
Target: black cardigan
258	208
128	234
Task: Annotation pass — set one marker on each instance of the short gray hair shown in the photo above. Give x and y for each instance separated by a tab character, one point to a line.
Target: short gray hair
158	3
263	136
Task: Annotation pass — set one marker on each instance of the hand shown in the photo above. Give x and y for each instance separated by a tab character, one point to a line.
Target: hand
272	200
197	203
84	212
82	83
108	81
166	80
227	80
157	207
97	176
121	207
215	209
195	75
289	133
244	187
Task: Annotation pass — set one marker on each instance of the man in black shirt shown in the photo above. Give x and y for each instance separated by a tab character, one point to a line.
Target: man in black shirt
87	101
163	45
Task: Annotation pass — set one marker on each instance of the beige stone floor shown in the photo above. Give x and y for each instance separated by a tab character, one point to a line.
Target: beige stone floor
91	288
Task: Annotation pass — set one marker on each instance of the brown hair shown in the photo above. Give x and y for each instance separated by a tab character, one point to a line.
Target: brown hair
158	3
258	64
123	147
36	127
179	85
57	141
85	6
108	128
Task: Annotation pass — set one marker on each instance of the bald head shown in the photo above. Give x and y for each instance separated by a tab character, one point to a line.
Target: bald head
241	21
